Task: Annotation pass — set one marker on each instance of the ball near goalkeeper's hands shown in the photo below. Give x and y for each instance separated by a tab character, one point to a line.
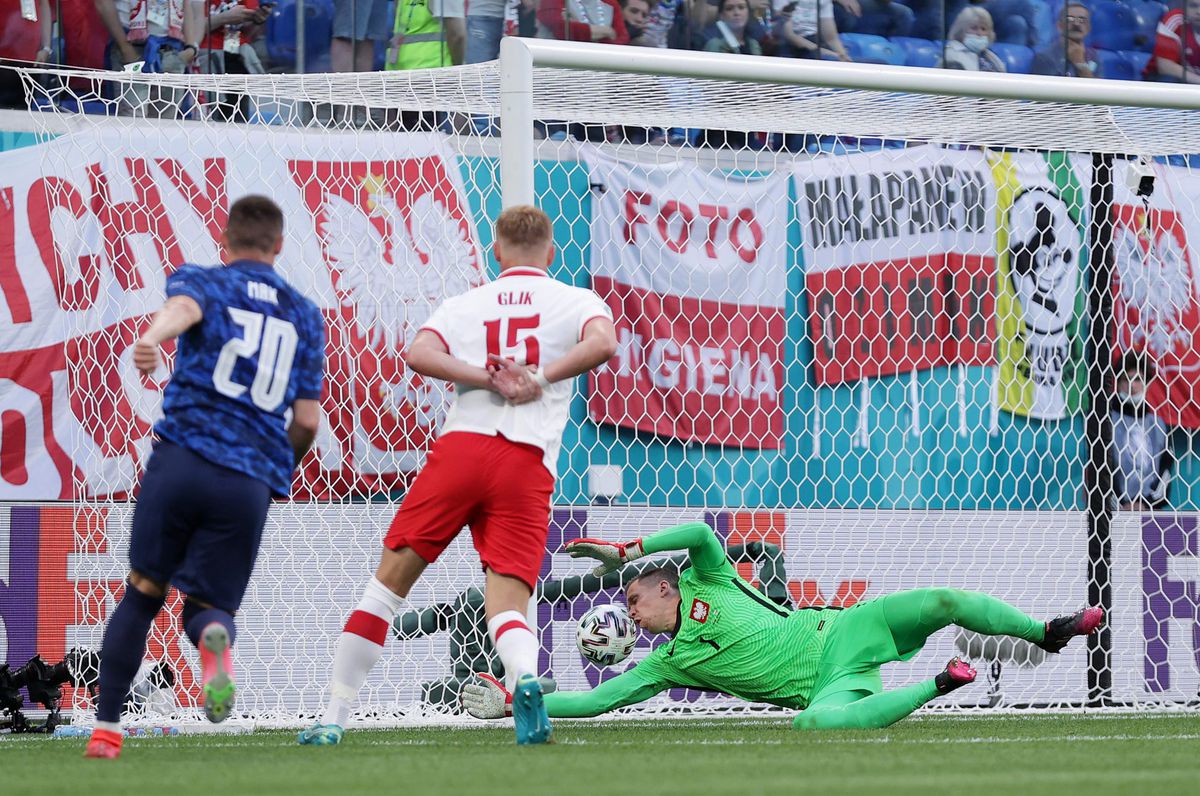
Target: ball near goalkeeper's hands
611	555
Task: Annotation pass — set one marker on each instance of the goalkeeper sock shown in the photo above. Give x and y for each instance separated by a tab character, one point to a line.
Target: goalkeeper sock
359	648
515	644
122	651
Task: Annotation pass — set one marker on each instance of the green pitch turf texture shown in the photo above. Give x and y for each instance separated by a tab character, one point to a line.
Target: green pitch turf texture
1090	755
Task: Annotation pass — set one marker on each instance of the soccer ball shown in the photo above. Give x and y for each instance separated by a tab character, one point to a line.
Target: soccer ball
606	635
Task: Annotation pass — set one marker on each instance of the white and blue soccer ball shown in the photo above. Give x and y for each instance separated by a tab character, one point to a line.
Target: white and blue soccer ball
606	635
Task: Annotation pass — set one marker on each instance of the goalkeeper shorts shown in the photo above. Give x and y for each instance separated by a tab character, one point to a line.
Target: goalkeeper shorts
499	488
859	642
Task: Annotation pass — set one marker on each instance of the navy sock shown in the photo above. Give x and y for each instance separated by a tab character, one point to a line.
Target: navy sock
123	649
196	618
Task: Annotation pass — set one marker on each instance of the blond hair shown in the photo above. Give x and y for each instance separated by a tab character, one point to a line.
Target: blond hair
524	227
968	16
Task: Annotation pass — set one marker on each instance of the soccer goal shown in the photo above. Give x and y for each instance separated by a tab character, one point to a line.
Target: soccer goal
868	318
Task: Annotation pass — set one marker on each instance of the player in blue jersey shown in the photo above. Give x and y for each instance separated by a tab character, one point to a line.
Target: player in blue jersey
251	349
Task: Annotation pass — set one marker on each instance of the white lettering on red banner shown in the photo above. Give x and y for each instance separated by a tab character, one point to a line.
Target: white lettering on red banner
377	232
693	265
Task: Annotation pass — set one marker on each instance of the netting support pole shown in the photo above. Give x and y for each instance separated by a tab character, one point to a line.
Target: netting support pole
1098	477
516	122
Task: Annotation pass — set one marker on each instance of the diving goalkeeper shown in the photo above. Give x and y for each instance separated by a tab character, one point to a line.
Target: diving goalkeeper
727	637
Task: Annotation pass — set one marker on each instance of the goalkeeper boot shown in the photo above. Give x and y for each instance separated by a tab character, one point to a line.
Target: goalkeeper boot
321	735
216	666
1061	630
529	712
104	744
957	674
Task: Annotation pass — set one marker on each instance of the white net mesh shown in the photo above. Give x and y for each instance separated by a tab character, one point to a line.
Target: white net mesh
854	332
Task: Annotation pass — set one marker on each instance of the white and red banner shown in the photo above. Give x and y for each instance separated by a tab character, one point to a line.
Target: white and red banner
693	265
377	232
1156	286
899	259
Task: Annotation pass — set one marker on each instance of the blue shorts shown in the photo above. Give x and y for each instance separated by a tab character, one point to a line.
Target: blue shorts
197	526
359	20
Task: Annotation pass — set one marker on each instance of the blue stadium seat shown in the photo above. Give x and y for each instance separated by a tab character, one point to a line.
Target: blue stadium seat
1146	16
919	52
1017	59
1113	26
1115	66
318	31
867	49
1045	23
1137	59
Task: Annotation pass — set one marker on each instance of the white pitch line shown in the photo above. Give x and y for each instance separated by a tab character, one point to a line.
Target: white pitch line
799	740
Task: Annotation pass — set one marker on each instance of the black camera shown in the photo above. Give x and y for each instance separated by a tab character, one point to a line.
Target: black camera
43	682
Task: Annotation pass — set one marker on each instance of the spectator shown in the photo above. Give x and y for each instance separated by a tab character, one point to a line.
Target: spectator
484	30
1141	451
232	27
162	34
728	33
667	25
357	25
1013	19
583	20
877	17
967	46
808	30
636	14
760	27
427	34
1069	54
31	42
1176	57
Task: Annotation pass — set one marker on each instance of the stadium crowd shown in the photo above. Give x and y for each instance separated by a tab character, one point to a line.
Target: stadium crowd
1118	39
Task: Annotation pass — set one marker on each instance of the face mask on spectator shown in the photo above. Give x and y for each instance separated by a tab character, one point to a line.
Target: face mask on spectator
976	44
1133	399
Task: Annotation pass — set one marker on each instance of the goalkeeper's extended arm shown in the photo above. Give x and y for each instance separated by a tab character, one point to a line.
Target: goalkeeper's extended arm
486	698
703	547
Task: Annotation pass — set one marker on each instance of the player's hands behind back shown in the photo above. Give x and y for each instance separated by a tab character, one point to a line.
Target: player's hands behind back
486	698
513	381
611	555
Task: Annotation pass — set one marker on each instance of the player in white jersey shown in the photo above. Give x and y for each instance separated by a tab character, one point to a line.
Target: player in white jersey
512	348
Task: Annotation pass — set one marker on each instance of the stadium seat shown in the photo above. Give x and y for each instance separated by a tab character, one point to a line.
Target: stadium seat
919	52
318	31
867	49
1137	59
1113	26
1115	66
1145	18
1017	59
1045	23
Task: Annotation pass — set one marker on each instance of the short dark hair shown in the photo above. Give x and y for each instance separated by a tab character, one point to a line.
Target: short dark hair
1135	362
255	223
662	572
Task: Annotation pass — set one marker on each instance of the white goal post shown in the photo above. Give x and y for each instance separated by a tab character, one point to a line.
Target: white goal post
868	322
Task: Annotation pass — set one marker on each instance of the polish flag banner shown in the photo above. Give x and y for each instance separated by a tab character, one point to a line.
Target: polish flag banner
377	231
693	266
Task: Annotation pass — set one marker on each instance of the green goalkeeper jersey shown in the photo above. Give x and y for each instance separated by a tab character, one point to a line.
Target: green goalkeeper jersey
730	639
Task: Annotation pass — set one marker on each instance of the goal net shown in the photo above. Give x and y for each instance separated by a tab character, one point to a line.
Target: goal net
868	335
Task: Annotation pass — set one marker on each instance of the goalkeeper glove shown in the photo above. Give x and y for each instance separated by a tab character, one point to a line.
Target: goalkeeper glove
487	699
612	556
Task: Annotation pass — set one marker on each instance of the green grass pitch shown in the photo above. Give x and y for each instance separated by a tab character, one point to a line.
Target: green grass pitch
1090	755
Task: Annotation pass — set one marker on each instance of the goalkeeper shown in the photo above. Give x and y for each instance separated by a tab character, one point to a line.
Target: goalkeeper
727	637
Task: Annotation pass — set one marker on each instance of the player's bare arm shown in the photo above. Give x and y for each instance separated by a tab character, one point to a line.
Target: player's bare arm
306	419
597	346
429	356
177	315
